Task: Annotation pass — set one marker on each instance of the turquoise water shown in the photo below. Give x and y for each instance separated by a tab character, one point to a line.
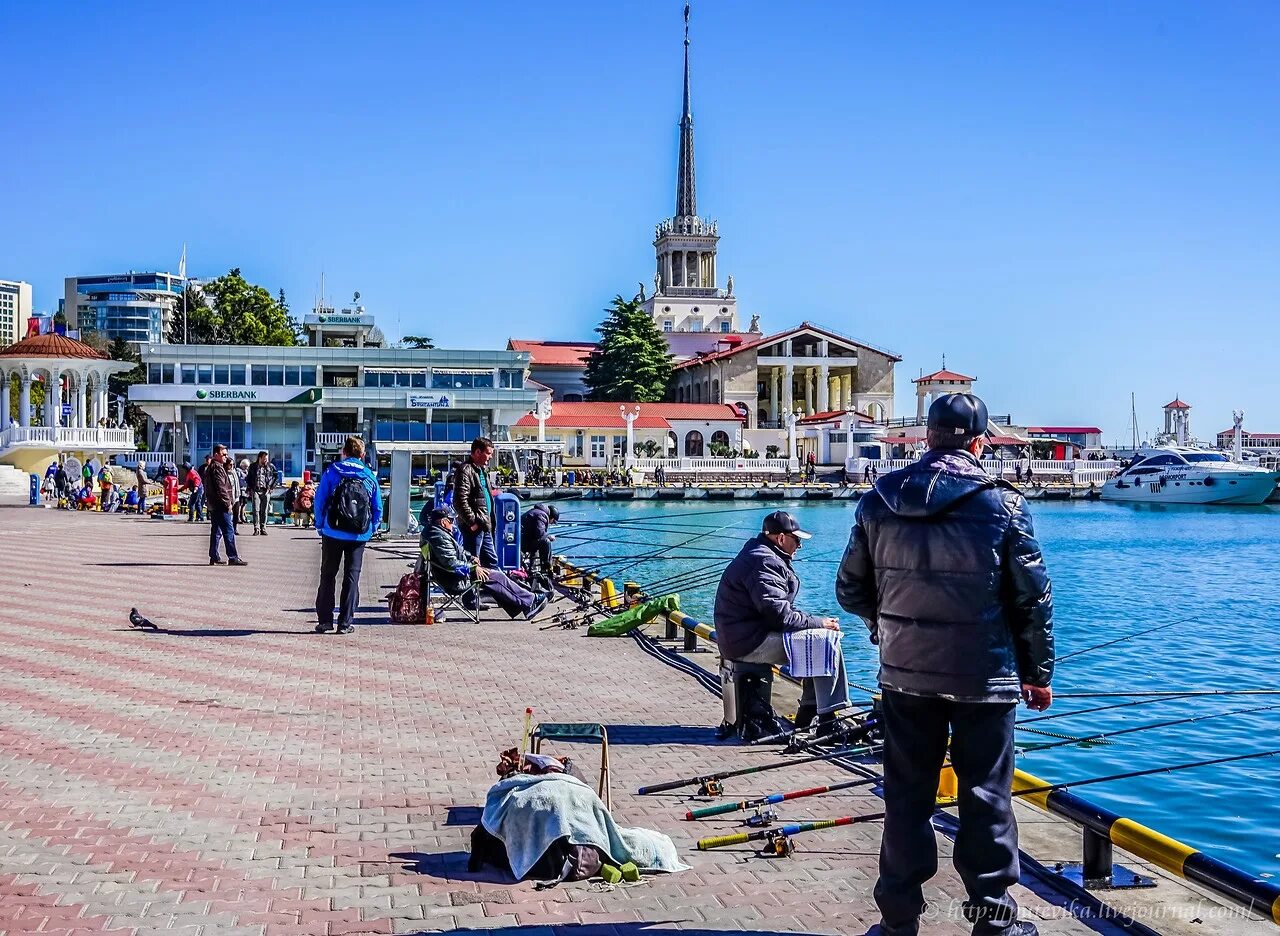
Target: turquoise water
1116	569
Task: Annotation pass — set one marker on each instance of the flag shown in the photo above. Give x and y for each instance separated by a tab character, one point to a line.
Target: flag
182	262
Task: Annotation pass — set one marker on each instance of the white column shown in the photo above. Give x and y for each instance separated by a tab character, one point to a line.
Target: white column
788	383
791	441
808	391
24	398
543	412
846	390
81	417
4	400
630	416
53	399
773	394
824	388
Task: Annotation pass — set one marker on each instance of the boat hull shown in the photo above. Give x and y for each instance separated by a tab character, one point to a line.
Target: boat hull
1225	488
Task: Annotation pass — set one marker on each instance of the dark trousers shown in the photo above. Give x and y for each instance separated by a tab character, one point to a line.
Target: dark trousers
349	554
261	500
542	550
510	597
221	527
480	545
986	850
195	504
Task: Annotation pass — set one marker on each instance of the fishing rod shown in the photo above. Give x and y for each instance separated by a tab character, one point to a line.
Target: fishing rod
667	549
1141	633
780	839
1102	708
791	733
1165	693
711	784
657	515
774	798
1166	724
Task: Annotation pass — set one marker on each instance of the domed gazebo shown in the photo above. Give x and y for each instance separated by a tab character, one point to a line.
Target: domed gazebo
57	358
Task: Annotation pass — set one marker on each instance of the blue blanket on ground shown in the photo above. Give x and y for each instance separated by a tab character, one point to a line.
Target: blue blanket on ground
528	813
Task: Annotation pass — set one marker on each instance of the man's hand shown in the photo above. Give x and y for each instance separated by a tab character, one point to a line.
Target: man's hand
551	539
831	624
482	574
1038	698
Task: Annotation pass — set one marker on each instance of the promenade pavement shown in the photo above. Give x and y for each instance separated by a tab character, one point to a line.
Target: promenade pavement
236	773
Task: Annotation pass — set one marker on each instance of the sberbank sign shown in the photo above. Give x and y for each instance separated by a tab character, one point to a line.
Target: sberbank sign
286	395
341	319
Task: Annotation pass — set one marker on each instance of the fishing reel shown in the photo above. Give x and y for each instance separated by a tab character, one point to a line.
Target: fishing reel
711	788
777	845
762	819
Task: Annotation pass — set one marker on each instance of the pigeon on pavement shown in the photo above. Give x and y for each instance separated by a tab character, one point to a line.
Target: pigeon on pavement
137	620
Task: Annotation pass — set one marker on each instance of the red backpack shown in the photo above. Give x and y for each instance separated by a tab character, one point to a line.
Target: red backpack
406	600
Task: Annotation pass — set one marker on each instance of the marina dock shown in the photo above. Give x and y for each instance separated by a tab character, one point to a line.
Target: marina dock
236	773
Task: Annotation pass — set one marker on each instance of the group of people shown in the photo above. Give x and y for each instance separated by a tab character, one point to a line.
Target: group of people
944	569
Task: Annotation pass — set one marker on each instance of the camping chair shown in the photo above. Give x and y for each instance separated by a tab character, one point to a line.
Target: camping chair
447	599
578	731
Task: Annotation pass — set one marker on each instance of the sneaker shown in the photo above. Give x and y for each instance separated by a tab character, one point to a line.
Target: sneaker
538	604
255	531
263	531
217	562
1013	929
237	562
346	629
323	628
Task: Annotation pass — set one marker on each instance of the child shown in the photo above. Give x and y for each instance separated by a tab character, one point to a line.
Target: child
305	504
291	501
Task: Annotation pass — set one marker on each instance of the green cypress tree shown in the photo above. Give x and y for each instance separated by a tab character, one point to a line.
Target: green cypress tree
632	363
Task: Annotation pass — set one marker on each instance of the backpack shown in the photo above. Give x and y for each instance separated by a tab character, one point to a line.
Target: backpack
349	506
562	861
406	600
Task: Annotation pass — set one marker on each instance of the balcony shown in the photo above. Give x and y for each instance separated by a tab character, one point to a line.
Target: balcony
58	438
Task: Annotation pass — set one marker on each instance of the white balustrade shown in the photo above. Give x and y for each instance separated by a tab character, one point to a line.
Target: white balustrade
738	465
332	439
1073	469
93	439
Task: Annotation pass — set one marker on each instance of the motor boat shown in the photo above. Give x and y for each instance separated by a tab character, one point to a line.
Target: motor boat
1176	474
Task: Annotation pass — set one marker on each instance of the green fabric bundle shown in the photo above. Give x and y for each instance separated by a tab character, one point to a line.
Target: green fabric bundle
621	624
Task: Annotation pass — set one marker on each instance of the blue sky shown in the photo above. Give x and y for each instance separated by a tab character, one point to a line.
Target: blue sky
1072	201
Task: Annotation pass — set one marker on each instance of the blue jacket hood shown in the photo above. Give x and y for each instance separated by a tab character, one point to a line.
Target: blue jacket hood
934	484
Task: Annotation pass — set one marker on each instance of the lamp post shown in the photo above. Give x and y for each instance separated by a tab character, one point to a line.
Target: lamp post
543	413
792	459
630	416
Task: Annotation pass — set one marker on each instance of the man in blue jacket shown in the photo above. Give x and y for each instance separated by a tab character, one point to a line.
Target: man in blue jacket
348	511
944	567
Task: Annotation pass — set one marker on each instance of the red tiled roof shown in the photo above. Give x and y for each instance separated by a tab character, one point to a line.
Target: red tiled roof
778	336
943	375
1246	434
1094	430
829	415
607	415
1176	404
1007	440
554	353
51	346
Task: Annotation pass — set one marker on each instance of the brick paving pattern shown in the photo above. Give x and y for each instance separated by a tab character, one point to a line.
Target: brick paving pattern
236	773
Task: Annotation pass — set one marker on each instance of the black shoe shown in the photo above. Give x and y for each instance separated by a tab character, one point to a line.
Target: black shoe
346	629
805	715
881	930
263	531
237	562
255	531
1013	929
538	604
217	562
323	628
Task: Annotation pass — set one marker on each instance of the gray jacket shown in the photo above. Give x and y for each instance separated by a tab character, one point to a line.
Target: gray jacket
757	597
944	567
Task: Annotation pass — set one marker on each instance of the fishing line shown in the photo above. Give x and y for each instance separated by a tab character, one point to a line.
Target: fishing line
1167	724
1110	643
1165	693
1103	708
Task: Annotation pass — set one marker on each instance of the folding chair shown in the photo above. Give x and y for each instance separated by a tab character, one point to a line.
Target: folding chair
446	599
578	731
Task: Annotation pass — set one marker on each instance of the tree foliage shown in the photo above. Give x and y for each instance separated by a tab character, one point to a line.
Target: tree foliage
231	310
632	363
417	342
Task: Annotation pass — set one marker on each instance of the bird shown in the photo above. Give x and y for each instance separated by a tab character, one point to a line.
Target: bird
137	620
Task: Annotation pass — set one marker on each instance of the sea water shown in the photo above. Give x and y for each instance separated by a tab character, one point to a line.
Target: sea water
1116	569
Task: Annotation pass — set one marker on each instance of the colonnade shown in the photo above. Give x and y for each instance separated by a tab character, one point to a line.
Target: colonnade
86	392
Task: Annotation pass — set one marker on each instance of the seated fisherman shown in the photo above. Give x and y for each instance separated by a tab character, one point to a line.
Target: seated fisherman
534	539
453	569
755	610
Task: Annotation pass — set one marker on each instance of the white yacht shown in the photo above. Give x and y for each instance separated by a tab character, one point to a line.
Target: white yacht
1180	474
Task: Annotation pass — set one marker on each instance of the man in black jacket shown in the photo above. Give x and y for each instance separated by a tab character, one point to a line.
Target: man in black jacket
261	482
944	567
755	610
534	538
473	500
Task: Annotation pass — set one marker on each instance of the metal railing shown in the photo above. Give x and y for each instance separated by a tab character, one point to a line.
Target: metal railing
721	465
334	440
70	438
1078	470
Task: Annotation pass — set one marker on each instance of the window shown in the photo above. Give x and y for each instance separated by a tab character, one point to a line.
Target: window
511	379
204	373
693	444
275	375
724	327
237	375
292	376
188	373
418	379
667	325
308	376
619	446
574	447
153	373
221	374
461	380
720	437
259	375
839	437
597	446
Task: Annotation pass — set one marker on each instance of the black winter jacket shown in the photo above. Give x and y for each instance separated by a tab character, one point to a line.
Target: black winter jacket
469	496
533	528
944	567
757	597
261	477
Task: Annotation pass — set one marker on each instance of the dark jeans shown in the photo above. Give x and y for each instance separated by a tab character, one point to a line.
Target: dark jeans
261	508
542	551
222	527
480	545
195	504
510	597
986	850
349	554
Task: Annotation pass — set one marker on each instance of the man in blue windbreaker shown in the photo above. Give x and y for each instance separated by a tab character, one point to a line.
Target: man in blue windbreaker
348	511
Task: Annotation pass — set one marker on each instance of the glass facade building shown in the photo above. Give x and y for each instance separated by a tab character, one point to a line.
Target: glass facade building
137	307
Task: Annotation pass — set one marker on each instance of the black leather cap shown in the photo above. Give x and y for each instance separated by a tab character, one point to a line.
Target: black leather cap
958	413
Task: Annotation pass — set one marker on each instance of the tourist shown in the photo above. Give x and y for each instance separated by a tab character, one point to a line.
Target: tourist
944	567
755	610
133	501
195	494
473	500
60	482
304	505
535	542
242	485
219	494
105	483
141	479
453	568
111	499
348	511
237	491
260	481
291	500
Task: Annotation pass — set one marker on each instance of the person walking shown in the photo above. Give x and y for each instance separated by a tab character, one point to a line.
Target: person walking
260	482
473	500
756	616
220	499
944	568
141	479
348	511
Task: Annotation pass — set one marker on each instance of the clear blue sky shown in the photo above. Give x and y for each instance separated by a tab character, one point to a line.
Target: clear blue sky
1073	201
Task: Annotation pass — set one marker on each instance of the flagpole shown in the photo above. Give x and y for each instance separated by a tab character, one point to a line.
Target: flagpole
183	273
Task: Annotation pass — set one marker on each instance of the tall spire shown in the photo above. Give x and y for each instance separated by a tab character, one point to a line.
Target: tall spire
686	194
